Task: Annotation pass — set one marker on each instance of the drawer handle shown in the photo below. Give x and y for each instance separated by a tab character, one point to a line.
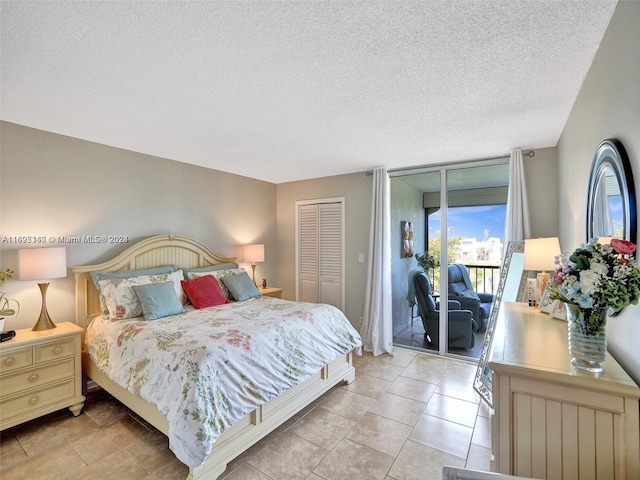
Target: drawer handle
9	361
33	400
33	377
57	350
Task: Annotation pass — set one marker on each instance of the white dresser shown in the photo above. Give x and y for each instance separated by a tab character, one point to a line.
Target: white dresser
40	372
551	420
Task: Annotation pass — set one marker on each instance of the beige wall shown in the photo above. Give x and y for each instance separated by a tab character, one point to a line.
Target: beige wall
541	173
52	185
356	190
608	106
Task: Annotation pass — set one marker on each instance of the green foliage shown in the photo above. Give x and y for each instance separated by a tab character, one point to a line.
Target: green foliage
5	302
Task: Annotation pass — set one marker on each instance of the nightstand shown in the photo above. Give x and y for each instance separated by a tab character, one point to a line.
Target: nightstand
271	292
40	372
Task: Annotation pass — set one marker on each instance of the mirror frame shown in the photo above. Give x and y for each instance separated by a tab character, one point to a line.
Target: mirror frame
482	382
611	153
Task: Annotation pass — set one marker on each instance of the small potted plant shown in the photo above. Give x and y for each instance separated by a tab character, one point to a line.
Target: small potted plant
6	302
427	261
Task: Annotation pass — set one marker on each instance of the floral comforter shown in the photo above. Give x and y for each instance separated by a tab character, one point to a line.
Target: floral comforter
206	369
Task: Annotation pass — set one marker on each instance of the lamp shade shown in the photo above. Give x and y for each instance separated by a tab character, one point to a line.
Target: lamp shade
540	253
605	240
254	253
42	263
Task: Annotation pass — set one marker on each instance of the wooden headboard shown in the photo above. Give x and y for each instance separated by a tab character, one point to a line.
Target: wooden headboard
154	251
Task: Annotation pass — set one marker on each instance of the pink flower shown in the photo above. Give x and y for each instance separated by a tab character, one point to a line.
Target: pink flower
624	247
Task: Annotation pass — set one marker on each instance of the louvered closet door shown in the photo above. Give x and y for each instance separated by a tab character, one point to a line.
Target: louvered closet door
308	242
330	266
320	250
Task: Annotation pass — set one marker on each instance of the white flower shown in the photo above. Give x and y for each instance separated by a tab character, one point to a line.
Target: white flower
599	268
589	281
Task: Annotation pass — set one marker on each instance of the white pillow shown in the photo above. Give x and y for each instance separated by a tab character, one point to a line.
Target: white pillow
122	301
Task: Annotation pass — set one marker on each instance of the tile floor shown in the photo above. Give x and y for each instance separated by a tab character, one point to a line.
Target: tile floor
403	418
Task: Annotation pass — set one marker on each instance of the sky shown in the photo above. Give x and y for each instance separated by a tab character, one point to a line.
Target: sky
471	222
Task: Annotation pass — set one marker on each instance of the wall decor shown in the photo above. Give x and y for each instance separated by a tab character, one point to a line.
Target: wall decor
406	232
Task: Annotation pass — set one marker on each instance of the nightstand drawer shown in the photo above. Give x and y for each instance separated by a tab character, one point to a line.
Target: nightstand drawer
37	398
55	350
16	359
34	377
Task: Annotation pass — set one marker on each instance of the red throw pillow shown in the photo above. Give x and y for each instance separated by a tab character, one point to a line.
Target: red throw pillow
204	291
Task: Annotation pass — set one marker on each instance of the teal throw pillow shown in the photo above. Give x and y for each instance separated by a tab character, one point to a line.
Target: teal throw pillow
158	300
241	287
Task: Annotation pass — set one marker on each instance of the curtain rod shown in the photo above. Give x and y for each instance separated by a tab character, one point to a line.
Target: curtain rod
526	153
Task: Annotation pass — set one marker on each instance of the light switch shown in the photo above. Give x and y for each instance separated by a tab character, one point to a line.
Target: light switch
361	257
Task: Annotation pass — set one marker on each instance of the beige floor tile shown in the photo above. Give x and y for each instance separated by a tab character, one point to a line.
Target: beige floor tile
482	432
452	387
426	368
171	471
479	458
412	388
452	409
288	457
400	358
42	433
420	462
465	371
371	387
449	437
322	427
46	465
362	360
400	409
11	453
381	433
384	371
247	472
119	465
352	460
313	476
108	439
150	448
349	405
104	409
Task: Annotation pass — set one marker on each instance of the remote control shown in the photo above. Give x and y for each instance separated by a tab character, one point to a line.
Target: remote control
4	336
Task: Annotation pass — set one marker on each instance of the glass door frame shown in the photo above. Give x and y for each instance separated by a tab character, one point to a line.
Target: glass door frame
444	235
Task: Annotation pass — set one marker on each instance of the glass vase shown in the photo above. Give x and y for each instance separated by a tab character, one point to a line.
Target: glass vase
587	337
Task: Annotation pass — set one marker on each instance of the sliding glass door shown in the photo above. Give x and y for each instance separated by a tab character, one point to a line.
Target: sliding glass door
462	227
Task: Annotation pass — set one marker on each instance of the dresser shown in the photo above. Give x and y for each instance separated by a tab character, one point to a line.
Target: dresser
40	372
551	420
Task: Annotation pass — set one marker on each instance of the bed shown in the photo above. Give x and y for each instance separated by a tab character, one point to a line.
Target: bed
275	356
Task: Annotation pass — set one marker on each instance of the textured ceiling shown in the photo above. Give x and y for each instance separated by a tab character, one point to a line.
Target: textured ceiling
289	90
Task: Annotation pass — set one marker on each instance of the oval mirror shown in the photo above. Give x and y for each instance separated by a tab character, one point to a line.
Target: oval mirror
611	201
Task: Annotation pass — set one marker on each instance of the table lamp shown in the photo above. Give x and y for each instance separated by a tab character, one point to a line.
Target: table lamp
42	264
539	256
253	254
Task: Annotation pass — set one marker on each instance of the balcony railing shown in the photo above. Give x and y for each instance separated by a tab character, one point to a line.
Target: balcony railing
485	278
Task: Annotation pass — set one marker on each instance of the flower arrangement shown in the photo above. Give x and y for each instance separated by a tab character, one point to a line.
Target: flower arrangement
597	277
5	302
427	261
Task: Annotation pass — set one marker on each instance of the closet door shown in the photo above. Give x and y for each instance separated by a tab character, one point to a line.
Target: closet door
308	253
321	253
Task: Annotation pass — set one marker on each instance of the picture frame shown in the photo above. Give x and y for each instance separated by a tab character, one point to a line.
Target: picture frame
547	305
532	296
559	311
406	238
